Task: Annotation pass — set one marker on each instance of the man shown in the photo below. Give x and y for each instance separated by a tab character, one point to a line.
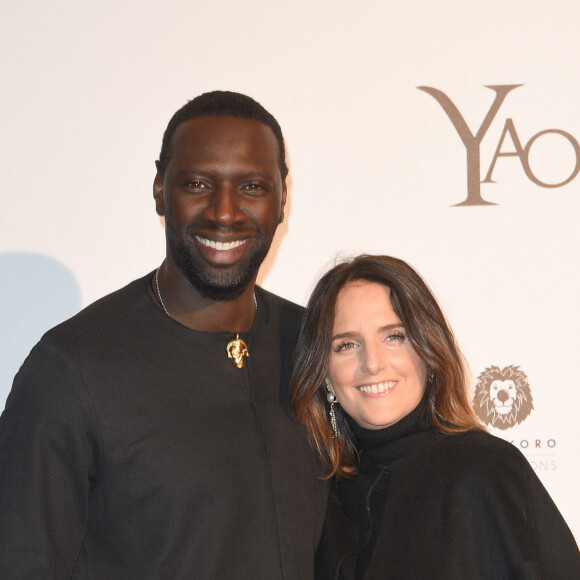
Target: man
150	435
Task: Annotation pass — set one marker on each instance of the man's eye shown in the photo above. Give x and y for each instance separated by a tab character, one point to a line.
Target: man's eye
195	184
253	187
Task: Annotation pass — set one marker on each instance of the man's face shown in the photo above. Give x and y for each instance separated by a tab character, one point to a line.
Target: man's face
222	197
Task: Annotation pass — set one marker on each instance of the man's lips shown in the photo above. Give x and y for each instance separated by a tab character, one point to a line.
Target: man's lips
221	246
378	388
222	253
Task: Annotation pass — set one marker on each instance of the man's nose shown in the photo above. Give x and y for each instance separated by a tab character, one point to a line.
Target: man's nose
224	206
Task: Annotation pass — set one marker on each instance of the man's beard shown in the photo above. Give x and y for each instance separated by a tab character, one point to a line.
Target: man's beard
214	282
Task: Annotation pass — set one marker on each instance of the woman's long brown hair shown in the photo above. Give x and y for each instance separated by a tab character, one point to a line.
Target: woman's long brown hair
427	330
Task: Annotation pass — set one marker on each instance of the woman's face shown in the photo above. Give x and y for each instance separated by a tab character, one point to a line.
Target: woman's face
375	373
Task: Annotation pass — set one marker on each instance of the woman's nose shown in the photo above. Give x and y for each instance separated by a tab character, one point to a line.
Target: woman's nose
372	359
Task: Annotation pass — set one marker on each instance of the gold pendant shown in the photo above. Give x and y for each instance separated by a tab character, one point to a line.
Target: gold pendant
237	350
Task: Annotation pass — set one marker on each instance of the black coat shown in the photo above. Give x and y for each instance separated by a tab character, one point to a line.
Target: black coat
451	507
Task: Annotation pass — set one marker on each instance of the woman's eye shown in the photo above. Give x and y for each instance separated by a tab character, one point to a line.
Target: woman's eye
344	346
396	336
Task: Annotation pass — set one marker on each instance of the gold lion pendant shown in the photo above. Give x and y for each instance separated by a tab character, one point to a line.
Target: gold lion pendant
237	350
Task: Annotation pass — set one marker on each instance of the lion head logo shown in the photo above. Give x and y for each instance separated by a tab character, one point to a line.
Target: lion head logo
502	398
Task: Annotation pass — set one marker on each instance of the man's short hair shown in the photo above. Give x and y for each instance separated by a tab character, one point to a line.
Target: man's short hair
222	103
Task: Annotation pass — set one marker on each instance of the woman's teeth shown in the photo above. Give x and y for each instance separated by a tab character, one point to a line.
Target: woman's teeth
378	388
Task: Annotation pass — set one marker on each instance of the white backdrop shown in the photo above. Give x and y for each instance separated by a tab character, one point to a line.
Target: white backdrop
377	165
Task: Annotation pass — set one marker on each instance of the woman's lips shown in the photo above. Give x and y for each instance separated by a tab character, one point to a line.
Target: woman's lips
378	388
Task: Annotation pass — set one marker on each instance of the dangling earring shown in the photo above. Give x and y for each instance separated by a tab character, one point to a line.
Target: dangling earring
432	380
330	397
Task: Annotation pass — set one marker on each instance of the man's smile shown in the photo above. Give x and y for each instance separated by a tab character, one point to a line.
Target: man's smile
221	246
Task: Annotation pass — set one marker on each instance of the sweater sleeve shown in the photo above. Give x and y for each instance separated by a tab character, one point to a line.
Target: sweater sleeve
557	552
517	519
49	450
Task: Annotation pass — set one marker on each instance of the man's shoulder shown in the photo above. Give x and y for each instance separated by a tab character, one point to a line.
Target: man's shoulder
279	304
280	316
106	311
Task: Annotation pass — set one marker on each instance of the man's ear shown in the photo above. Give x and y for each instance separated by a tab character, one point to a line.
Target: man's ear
158	192
283	201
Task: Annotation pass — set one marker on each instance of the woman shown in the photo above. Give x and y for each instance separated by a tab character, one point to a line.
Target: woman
419	490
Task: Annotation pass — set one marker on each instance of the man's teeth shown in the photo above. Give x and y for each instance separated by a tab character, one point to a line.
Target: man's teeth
223	246
378	388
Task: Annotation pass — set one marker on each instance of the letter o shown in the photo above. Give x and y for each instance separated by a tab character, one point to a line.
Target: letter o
528	169
551	443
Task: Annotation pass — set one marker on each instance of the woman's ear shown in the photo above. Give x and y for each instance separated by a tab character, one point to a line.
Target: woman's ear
331	394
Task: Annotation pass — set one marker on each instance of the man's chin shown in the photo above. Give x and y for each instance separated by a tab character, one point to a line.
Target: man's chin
215	285
215	281
219	293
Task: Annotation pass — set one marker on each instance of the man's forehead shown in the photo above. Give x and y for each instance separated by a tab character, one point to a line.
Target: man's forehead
208	124
215	132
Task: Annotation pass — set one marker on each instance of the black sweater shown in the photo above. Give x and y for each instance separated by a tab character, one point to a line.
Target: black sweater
451	507
132	448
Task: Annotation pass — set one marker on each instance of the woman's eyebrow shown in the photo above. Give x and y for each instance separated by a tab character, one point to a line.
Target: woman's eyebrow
352	333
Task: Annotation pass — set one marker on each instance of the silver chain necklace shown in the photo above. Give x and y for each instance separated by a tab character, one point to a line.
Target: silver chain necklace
163	304
159	291
236	349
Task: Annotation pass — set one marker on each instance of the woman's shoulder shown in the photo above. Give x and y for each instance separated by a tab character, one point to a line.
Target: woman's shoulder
479	453
480	440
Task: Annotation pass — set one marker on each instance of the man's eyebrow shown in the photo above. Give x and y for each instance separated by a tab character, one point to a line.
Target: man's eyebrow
189	171
249	175
352	333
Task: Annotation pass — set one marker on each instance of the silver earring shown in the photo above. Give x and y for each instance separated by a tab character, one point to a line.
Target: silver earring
330	397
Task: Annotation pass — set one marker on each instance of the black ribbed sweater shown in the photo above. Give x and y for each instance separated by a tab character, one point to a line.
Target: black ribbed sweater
451	507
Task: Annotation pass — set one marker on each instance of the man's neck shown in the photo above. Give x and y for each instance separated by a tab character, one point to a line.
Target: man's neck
185	304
